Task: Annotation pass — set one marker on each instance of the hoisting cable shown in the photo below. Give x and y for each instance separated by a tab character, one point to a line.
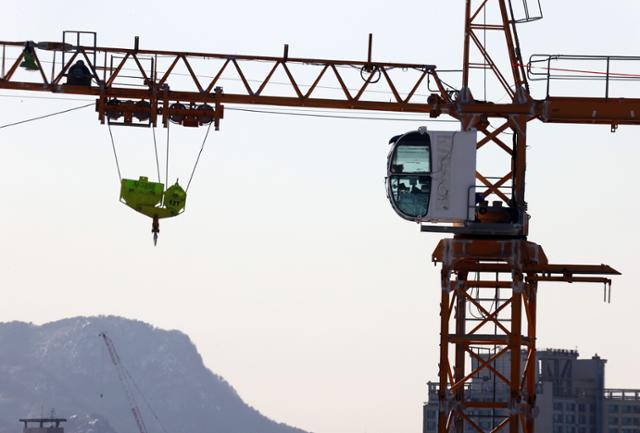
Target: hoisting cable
294	112
166	179
155	148
198	158
46	115
115	154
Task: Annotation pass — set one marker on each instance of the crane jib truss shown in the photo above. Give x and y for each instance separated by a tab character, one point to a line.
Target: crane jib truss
610	111
491	268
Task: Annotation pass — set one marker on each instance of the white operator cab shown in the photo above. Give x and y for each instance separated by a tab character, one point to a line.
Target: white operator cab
431	177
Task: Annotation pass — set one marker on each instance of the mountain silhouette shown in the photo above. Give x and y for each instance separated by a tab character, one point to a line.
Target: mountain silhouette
65	366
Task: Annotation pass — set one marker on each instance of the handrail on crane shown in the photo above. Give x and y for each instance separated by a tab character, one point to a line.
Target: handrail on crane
571	67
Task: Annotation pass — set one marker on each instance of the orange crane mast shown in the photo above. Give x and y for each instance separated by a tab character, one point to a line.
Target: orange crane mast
488	264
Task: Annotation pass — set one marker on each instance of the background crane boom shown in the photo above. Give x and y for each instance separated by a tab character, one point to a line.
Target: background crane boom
124	380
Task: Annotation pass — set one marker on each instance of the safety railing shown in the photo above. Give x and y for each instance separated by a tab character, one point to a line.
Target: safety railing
483	198
525	11
605	69
622	394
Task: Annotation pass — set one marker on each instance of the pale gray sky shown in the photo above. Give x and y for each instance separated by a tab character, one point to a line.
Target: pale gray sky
289	270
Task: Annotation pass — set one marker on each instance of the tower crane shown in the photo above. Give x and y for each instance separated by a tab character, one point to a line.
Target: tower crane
433	177
124	380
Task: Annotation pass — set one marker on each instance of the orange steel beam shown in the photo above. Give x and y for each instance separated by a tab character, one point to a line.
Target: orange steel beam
618	111
607	111
108	85
506	331
507	326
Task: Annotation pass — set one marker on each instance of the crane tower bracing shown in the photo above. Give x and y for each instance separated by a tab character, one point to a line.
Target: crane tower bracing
488	264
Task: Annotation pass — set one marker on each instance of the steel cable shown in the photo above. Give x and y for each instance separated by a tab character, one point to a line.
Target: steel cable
166	179
45	116
329	116
155	148
115	154
198	158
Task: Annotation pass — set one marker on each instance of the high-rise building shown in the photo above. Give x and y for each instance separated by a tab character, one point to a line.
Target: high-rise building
621	411
571	397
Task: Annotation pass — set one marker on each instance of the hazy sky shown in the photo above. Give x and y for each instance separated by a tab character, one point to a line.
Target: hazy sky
289	270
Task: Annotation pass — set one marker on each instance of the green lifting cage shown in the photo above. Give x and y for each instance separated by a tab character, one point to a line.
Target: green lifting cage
150	198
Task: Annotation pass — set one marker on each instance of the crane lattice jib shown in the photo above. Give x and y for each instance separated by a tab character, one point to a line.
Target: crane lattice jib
156	85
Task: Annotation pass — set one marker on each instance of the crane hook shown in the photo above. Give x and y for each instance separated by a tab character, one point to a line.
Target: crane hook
155	229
